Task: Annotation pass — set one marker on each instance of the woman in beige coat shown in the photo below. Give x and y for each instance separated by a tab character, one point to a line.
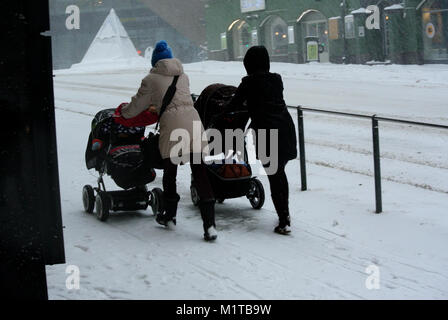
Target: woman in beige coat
179	114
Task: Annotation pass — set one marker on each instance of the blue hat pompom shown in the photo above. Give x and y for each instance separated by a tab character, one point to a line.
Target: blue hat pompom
161	51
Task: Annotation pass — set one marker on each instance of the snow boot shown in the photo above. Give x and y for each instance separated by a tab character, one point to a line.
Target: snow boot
281	205
284	226
207	209
168	217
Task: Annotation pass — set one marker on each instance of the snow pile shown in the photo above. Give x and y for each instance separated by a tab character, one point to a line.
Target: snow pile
395	7
361	11
111	47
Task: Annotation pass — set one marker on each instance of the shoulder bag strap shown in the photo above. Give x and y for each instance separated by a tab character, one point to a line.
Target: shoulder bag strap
167	98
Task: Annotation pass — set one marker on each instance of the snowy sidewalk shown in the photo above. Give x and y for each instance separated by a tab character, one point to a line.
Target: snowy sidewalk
336	236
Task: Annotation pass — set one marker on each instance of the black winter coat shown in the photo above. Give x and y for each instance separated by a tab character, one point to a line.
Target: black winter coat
262	95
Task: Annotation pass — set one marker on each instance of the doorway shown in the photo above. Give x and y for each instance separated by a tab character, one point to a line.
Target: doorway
314	24
240	38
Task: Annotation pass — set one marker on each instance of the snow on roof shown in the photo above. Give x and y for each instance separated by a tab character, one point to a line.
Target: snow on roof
334	18
361	10
395	7
111	42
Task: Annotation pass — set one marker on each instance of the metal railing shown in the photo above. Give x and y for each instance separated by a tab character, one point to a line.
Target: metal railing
375	138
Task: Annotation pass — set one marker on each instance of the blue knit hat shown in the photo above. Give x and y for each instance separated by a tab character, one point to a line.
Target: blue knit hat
161	51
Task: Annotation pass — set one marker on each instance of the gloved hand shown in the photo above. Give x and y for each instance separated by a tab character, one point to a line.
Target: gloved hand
143	119
97	144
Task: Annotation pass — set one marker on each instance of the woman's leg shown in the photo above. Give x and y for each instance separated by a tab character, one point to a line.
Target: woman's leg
280	197
169	178
202	182
207	200
170	196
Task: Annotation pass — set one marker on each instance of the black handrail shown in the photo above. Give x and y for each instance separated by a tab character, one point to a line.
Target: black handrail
416	123
385	119
375	137
340	113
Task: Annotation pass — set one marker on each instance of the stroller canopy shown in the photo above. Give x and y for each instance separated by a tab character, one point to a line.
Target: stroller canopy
211	103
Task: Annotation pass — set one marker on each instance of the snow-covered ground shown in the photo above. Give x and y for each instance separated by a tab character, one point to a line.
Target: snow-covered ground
336	234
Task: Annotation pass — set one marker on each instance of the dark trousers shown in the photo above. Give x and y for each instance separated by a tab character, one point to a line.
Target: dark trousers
280	192
199	175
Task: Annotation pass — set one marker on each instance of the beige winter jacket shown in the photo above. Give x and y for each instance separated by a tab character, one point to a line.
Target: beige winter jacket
180	113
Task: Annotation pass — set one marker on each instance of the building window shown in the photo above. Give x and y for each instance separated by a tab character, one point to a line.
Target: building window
223	41
349	27
334	28
280	39
276	35
291	35
252	5
435	31
311	29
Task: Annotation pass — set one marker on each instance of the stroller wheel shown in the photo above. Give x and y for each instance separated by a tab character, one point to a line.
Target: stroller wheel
256	194
157	201
194	195
88	198
102	204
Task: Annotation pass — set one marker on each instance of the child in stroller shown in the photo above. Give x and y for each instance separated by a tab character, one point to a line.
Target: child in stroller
234	179
114	150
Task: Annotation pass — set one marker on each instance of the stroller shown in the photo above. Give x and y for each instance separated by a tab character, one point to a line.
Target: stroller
115	150
228	180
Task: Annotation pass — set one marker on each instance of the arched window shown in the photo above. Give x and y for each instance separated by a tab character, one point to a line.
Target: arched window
240	37
275	35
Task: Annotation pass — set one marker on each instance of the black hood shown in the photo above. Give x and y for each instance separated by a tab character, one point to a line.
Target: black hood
256	60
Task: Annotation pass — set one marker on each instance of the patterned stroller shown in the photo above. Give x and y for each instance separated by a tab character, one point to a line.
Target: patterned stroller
115	150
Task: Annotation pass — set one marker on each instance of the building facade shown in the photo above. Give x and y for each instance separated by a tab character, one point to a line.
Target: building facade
146	22
399	31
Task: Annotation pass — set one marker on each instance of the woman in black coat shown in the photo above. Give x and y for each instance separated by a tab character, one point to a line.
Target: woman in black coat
261	93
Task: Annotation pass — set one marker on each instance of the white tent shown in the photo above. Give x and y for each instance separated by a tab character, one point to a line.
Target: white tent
111	42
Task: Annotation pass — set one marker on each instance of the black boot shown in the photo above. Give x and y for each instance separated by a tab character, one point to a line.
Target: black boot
281	205
284	226
170	210
208	218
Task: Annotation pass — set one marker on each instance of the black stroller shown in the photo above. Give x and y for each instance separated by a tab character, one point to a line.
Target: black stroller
228	180
115	150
